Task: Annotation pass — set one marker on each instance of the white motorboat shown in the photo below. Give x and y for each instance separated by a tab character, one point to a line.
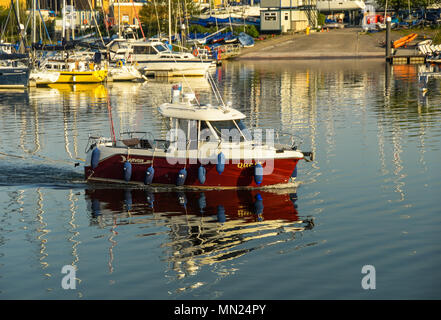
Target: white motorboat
124	72
155	56
339	5
206	146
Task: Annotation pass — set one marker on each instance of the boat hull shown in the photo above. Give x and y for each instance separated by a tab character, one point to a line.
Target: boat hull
174	68
14	77
237	174
404	40
96	76
335	6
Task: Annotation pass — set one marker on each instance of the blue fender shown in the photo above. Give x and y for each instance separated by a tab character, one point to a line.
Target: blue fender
294	173
127	171
258	173
182	175
95	159
202	174
220	165
149	174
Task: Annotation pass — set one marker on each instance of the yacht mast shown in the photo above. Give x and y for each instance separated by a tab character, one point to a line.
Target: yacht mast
169	22
63	34
72	16
119	20
34	31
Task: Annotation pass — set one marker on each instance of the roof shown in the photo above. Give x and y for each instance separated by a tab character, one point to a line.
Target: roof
195	112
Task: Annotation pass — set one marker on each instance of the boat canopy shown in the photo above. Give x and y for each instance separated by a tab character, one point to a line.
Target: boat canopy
202	112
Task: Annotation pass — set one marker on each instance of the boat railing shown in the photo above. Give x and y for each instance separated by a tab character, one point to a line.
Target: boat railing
95	140
142	140
287	139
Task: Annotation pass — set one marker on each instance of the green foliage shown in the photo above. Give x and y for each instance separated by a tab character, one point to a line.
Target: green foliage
437	37
196	28
154	18
252	31
321	19
249	29
154	15
11	29
404	4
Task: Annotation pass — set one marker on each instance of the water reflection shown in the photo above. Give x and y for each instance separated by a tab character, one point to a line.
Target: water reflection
376	136
201	228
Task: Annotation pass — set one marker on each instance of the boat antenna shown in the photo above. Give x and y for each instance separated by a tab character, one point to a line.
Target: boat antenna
183	76
215	89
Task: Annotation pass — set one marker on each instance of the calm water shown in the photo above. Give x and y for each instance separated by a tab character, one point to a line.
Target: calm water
371	197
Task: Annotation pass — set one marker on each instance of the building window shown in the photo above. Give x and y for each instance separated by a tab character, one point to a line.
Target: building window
270	16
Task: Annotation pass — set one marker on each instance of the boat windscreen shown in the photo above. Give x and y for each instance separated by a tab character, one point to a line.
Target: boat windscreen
161	48
229	129
241	125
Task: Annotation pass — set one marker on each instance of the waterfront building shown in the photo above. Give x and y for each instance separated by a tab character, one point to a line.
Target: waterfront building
125	12
7	3
287	15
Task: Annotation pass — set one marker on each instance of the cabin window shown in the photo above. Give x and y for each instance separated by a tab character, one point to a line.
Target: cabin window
204	125
190	129
192	134
227	130
114	46
160	48
205	132
143	50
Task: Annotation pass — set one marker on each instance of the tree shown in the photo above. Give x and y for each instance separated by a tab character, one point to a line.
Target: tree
397	5
154	15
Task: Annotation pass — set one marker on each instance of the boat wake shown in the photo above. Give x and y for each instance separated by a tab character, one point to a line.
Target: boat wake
23	171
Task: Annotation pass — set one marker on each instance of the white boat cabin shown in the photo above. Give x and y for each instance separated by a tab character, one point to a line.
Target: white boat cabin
196	125
143	50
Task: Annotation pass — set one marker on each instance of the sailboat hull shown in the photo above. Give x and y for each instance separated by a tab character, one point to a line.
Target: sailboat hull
14	77
95	76
175	68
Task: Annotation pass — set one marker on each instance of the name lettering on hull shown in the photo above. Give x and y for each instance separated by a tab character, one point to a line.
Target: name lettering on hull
135	160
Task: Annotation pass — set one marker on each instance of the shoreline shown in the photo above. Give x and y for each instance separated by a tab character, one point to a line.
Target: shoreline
349	43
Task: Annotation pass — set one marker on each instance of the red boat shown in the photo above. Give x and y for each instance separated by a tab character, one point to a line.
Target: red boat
206	147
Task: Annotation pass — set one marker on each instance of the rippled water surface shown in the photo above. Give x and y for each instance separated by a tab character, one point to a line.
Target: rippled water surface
371	197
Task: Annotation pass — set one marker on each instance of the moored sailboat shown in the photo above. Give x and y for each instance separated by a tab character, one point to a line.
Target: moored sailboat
14	72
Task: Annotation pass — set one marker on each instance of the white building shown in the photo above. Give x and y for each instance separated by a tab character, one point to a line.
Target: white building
287	15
